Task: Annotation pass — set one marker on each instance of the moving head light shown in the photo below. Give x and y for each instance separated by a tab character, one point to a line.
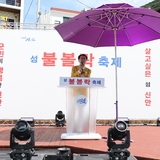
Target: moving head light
119	132
22	141
60	119
22	130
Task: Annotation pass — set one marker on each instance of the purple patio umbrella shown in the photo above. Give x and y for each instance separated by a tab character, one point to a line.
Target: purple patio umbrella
112	25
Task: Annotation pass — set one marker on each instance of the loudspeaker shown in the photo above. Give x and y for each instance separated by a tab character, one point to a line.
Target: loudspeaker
61	154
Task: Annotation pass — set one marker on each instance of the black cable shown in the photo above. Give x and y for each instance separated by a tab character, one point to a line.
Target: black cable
84	4
28	10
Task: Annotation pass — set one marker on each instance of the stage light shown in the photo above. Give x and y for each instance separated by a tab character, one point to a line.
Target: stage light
60	119
22	141
121	134
158	121
22	130
60	154
119	154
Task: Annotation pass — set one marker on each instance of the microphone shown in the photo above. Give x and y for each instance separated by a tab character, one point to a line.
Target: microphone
82	64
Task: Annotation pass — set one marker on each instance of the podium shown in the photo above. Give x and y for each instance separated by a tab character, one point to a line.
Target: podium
81	103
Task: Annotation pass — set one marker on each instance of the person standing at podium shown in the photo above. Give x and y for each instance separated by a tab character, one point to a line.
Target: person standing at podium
80	112
80	70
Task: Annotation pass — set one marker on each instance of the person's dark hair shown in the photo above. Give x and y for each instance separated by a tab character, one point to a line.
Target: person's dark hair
82	55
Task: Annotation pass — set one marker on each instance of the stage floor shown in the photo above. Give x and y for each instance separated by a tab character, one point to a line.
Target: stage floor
145	145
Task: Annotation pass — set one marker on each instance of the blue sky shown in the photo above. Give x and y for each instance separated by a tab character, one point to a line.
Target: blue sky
78	5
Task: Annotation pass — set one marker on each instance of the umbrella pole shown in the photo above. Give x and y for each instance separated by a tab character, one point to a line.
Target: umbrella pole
116	79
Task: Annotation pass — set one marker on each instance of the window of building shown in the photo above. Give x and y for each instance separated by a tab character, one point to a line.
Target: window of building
65	18
10	2
56	22
11	23
18	3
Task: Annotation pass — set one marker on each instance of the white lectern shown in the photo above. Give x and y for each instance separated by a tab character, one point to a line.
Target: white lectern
81	98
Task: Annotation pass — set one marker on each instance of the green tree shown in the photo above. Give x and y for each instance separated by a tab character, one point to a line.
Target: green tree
155	5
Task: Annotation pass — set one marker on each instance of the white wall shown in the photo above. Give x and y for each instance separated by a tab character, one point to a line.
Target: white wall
54	16
30	89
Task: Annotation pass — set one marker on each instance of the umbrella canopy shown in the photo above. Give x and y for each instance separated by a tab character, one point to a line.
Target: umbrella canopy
116	5
112	25
96	27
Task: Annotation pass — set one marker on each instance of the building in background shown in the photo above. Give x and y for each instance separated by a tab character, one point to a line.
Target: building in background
56	16
11	11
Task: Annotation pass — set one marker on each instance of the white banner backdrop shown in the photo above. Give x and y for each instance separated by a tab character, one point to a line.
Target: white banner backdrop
32	61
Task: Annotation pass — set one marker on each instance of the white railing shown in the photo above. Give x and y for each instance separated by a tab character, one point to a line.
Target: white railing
132	122
32	26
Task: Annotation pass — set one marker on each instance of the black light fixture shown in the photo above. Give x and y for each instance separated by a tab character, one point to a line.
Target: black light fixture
158	121
121	134
60	119
60	154
22	132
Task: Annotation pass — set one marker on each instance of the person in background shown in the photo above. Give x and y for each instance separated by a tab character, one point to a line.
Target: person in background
80	70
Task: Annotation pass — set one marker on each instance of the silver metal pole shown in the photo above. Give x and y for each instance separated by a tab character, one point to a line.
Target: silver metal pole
38	12
116	76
